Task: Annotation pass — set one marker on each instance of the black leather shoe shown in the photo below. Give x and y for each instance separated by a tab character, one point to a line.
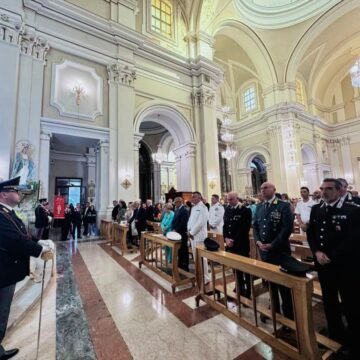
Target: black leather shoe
9	354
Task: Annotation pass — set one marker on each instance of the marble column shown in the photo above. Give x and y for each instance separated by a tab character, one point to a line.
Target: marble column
44	164
348	170
10	36
103	187
185	156
244	181
91	174
207	137
157	180
123	169
31	75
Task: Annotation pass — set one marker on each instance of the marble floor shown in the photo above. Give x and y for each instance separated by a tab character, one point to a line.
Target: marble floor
100	305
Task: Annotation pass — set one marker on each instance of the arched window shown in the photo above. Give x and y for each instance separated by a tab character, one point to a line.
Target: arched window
250	99
162	17
299	92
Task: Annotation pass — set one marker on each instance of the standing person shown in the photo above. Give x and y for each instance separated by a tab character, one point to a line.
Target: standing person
273	225
76	222
66	223
166	226
303	209
179	224
115	210
346	195
41	218
216	214
92	220
150	210
333	236
16	247
237	223
50	216
85	219
316	196
197	227
122	210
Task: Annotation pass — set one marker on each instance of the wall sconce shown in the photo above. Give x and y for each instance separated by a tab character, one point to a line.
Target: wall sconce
126	184
211	184
79	92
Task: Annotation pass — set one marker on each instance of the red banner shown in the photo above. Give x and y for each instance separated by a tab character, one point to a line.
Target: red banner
59	207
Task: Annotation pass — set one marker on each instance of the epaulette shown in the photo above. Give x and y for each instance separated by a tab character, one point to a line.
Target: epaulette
352	203
6	210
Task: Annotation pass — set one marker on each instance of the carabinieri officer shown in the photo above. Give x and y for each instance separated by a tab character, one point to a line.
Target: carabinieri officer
273	225
16	247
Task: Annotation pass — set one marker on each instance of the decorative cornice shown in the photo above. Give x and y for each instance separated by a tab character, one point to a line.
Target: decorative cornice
188	150
11	27
137	138
279	87
34	46
122	74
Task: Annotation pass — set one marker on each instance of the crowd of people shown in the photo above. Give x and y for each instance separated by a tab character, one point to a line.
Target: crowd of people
74	219
328	217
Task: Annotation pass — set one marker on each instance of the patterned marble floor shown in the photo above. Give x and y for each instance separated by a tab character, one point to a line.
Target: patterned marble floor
102	306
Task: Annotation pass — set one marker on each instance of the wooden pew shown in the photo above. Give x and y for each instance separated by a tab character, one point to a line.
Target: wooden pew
218	237
106	227
306	339
151	246
120	234
155	225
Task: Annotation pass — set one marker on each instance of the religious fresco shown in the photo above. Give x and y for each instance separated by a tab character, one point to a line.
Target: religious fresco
24	165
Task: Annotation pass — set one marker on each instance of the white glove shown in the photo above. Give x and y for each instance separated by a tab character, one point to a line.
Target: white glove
47	245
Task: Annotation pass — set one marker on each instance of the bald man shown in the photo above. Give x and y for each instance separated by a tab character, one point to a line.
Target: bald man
273	225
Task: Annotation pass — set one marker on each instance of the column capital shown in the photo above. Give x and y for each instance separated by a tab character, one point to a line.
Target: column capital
137	138
103	146
33	45
187	150
124	74
45	135
201	97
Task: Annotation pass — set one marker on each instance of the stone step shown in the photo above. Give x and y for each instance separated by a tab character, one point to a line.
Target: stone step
26	296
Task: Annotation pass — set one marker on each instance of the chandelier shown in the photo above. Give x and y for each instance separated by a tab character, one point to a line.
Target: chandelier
355	73
226	137
159	156
228	154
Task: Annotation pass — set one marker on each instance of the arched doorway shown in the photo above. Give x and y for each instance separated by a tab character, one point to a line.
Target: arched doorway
258	173
145	168
160	122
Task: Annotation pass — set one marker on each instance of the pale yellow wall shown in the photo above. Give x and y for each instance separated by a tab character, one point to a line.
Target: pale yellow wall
97	7
348	95
49	111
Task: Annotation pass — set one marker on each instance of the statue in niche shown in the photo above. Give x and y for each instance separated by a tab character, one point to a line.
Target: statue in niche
24	164
91	189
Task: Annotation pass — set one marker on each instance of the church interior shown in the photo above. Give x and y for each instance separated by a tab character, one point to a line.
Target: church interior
131	100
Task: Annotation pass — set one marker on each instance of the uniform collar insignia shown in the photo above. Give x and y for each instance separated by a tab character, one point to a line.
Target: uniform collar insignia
275	201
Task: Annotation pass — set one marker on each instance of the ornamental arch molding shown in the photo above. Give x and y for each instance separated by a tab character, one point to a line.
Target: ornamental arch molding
247	156
169	117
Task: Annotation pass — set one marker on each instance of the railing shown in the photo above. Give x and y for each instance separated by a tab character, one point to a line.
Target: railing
153	256
245	311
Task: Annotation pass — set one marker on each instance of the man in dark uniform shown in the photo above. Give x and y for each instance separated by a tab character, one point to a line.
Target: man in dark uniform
16	247
273	224
237	223
41	218
179	224
346	195
334	237
115	210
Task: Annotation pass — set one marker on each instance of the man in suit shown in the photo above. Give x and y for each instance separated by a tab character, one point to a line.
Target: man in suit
85	219
273	225
41	218
16	247
346	195
197	227
115	210
333	236
237	223
179	225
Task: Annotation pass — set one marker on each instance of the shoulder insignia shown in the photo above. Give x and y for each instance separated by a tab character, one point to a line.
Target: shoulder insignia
275	201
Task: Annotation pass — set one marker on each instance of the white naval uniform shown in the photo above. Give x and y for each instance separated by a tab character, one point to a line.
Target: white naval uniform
216	217
197	227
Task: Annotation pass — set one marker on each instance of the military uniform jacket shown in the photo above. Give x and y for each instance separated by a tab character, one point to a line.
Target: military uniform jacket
41	217
237	223
273	226
335	230
16	247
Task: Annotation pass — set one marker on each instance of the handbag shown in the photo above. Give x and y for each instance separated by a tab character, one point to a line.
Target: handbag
134	231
